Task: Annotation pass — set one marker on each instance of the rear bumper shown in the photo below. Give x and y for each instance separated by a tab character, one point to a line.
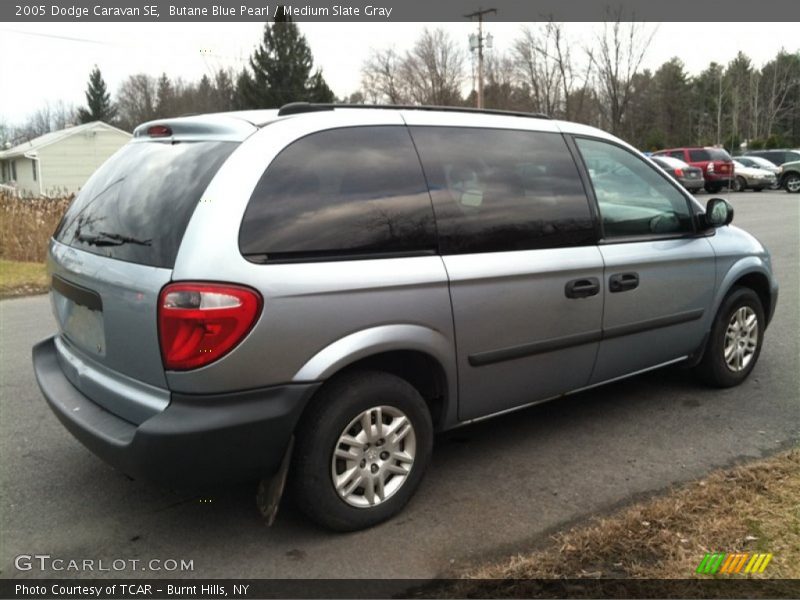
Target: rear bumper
197	439
717	177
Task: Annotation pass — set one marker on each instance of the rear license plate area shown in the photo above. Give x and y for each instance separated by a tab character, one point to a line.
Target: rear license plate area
79	311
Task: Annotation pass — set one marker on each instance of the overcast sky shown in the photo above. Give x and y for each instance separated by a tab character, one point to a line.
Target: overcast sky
51	61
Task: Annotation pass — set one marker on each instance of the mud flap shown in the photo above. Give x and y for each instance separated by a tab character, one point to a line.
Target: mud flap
270	489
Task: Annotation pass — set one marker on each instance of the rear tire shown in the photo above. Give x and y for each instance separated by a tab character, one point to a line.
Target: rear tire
739	184
792	183
734	344
713	188
347	472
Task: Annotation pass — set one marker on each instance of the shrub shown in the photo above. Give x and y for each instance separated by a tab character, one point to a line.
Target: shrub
26	225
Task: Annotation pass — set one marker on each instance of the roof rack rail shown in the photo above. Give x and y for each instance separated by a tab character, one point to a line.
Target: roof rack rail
303	107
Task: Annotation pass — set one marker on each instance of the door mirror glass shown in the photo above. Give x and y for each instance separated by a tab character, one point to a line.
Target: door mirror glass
718	212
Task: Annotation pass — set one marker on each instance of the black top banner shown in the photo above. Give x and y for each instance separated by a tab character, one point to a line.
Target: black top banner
401	10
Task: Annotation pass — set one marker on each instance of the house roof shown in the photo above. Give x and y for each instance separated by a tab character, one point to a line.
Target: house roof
57	136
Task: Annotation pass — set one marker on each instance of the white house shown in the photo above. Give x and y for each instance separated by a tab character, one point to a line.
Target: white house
59	162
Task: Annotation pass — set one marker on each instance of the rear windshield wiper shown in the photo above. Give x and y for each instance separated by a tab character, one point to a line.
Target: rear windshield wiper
104	238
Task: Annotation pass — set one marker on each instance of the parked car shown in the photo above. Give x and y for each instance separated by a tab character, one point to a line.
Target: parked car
307	294
715	163
790	177
749	178
776	157
689	177
758	162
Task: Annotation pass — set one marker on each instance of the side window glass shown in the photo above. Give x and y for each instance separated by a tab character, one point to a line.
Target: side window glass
677	154
499	190
348	191
634	199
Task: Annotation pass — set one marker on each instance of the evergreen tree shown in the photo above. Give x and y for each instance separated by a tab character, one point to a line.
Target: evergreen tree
318	90
165	97
98	100
280	70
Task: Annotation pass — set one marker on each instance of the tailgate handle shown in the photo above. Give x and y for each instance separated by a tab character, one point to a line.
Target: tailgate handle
622	282
582	288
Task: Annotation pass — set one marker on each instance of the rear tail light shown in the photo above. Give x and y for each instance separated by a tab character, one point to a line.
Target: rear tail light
710	167
199	323
678	172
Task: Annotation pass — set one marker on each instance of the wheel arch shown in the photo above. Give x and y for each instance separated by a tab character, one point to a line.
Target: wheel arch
420	355
752	274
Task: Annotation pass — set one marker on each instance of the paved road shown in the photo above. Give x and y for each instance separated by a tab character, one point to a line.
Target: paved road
493	487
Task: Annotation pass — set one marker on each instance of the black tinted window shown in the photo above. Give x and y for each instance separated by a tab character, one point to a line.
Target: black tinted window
138	203
348	191
496	190
699	155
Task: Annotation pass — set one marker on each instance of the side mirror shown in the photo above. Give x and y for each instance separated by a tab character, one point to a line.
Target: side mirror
718	213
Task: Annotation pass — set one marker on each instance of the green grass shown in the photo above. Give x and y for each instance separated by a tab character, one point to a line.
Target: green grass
22	278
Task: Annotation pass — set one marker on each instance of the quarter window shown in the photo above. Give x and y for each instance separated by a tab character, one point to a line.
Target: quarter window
634	199
341	192
498	190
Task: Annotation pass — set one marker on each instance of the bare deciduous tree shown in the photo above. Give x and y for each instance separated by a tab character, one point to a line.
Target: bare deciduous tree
136	100
433	70
380	77
781	79
620	50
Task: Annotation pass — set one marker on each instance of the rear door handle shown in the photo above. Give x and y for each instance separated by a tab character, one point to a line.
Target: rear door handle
582	288
622	282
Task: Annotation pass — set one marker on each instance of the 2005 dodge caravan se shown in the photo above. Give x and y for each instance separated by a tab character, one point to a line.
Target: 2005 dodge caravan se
311	292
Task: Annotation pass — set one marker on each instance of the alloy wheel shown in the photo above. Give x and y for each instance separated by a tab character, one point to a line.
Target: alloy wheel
741	339
373	456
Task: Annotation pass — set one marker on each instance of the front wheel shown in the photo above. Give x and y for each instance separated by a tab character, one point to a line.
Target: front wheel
361	450
735	340
792	183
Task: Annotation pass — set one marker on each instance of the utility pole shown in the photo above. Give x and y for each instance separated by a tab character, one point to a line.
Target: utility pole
479	14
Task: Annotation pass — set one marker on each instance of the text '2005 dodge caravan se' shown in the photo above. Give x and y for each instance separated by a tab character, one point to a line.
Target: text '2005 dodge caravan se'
307	295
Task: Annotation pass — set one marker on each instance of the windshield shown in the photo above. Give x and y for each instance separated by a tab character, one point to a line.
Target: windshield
137	205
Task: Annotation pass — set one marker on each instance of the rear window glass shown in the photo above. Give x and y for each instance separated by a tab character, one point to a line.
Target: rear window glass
706	154
340	193
137	205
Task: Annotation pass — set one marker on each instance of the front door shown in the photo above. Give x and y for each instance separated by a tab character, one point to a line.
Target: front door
659	274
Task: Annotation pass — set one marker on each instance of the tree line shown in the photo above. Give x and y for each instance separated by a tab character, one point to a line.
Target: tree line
602	83
599	81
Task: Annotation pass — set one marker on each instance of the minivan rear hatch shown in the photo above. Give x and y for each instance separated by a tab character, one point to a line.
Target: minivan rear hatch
111	255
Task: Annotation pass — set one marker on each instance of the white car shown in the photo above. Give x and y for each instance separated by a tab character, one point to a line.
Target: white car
757	162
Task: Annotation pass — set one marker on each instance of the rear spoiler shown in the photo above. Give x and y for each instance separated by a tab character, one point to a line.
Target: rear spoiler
195	128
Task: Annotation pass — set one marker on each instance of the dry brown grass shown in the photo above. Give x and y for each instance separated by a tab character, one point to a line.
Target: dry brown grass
752	508
26	225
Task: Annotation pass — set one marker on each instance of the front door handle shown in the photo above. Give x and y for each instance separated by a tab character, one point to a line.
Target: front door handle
622	282
582	288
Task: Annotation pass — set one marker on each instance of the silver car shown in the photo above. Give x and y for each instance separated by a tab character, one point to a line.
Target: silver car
754	178
306	295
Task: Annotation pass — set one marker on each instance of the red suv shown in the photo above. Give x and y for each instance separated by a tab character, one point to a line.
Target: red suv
716	164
